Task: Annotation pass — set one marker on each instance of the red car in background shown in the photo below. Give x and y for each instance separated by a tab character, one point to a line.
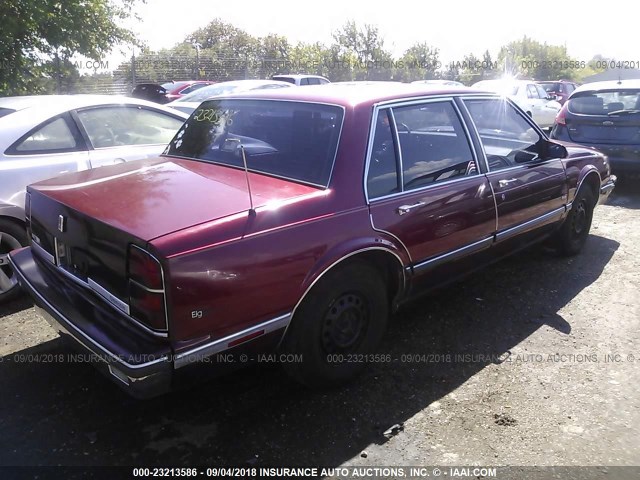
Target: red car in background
176	90
291	222
559	89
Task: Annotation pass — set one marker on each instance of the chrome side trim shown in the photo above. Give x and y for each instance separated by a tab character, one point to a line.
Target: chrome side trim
513	231
100	290
341	259
75	331
425	188
43	253
222	344
421	267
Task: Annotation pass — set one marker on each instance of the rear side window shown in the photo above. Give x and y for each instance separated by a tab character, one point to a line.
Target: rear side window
433	144
605	102
293	140
54	136
120	126
382	177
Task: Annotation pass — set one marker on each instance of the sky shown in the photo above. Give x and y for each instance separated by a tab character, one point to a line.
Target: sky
456	28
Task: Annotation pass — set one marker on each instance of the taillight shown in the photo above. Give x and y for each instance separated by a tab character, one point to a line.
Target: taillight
146	289
561	117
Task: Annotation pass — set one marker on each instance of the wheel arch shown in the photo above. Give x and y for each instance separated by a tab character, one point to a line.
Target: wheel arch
589	178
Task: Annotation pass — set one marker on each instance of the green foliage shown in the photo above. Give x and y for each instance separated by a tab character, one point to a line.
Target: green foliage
40	35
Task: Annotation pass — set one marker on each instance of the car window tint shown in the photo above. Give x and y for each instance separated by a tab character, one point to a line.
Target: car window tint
382	178
433	144
295	140
54	136
507	138
541	92
532	92
118	126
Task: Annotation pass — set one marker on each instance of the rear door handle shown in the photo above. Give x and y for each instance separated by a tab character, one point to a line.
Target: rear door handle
504	183
404	209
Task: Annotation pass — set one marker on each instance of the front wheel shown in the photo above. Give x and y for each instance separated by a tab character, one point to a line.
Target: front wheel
341	322
12	236
574	231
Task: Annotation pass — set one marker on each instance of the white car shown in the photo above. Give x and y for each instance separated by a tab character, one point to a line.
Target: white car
302	80
189	103
45	136
528	95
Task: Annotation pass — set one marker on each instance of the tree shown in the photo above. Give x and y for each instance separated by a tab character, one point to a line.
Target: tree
419	62
531	59
38	34
365	46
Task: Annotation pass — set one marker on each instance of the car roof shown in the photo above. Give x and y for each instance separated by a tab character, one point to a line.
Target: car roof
349	94
297	75
607	85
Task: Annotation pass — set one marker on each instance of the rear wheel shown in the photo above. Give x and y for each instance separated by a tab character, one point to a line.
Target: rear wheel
12	236
574	231
342	320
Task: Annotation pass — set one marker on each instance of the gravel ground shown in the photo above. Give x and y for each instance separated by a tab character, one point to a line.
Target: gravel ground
534	361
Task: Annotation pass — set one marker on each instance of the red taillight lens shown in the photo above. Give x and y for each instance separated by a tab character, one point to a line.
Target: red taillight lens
146	289
561	117
144	269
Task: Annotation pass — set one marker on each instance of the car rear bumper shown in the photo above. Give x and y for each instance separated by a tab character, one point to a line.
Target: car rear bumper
139	365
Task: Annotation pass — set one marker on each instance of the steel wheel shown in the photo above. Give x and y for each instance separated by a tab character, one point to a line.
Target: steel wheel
345	323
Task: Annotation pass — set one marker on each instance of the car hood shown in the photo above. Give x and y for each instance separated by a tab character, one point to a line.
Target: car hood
155	197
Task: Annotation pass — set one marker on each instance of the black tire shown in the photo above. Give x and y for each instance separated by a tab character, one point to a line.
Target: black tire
574	231
12	236
343	318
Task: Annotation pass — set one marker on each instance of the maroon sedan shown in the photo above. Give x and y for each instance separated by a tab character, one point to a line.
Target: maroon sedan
291	222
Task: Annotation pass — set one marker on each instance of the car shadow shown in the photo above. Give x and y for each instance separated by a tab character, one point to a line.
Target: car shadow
63	412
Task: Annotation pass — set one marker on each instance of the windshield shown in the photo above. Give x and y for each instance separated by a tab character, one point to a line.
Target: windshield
292	140
605	102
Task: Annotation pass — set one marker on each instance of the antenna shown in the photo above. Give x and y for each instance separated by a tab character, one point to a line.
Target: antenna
246	172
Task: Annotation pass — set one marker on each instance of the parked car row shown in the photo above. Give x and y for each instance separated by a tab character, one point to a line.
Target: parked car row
295	220
48	135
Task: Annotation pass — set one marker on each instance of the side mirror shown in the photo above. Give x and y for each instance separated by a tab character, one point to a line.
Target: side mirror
555	150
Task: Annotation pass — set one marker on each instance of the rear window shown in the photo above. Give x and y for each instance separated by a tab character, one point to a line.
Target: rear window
5	111
293	140
605	102
551	87
284	79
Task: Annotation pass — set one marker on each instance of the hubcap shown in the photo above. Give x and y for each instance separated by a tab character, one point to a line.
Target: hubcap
345	323
580	218
7	276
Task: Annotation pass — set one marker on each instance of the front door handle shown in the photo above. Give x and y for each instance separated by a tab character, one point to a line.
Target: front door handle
504	183
403	209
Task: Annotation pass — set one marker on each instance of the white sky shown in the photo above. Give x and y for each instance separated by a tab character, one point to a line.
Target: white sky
455	27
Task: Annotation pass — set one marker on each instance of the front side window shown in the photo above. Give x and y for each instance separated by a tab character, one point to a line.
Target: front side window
294	140
433	144
52	137
532	92
507	138
119	126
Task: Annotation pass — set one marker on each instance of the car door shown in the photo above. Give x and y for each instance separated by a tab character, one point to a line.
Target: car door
50	149
121	133
424	185
529	182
